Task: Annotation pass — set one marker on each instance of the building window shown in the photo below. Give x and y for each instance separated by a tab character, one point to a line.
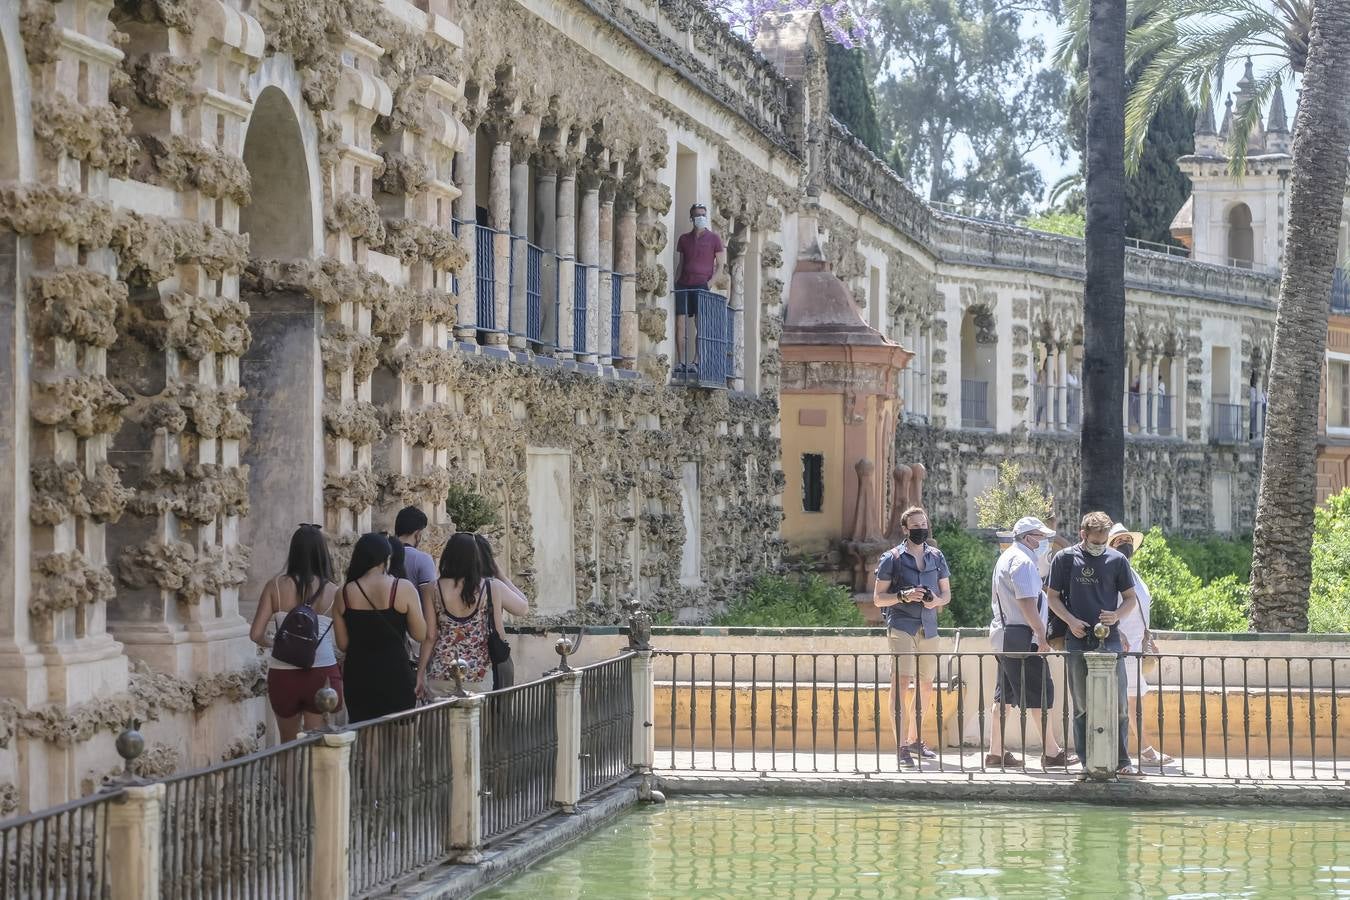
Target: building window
813	482
1338	395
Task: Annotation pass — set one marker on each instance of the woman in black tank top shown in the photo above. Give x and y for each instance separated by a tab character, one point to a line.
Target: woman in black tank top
379	612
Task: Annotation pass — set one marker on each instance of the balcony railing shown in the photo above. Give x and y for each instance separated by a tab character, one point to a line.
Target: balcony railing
1148	412
485	278
580	275
974	403
534	293
1340	291
707	341
1228	423
1056	407
615	312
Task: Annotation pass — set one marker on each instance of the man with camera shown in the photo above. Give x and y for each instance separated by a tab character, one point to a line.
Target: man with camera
1091	585
913	582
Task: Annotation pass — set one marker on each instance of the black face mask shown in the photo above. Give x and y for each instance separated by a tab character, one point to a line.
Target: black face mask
1125	550
918	535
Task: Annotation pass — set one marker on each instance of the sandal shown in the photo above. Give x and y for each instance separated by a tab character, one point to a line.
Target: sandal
1128	770
1150	755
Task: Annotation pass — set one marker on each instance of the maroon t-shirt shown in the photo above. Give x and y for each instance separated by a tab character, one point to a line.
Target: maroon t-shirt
698	252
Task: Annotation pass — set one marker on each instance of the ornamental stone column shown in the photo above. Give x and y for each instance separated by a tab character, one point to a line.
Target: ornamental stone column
466	305
546	214
499	220
604	318
567	248
588	255
519	238
626	263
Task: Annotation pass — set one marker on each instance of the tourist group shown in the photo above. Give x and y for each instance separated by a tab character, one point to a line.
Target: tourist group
1086	597
400	619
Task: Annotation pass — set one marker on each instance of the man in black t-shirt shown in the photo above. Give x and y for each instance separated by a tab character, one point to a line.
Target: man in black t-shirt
1091	583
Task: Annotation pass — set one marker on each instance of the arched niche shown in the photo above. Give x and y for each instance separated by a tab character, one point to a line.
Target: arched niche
280	372
1241	238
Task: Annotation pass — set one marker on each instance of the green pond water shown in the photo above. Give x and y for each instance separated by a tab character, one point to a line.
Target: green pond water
740	848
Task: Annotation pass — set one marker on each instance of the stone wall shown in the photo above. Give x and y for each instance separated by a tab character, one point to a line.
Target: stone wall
241	274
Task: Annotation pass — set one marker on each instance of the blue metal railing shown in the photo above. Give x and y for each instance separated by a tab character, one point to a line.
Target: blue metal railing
580	275
1340	290
534	293
485	278
974	403
707	342
615	312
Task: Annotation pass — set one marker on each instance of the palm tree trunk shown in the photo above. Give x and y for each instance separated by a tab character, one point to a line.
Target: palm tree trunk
1102	445
1282	550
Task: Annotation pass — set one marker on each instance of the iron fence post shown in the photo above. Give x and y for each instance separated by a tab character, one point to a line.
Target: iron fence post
1103	716
330	864
466	778
133	843
567	780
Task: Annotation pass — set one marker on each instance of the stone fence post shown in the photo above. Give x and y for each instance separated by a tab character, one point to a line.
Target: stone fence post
332	792
567	780
1103	716
644	726
133	843
466	778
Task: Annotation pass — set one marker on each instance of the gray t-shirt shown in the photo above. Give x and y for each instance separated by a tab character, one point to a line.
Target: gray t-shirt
419	566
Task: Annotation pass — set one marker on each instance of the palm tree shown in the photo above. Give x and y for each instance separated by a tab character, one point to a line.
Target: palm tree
1186	46
1102	445
1282	544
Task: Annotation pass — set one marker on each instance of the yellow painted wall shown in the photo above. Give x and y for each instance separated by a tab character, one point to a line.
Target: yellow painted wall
812	532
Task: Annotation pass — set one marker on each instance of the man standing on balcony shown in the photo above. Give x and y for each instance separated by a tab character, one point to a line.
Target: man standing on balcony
913	583
699	255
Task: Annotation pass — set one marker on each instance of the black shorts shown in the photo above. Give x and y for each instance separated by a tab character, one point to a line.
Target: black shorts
686	298
1023	681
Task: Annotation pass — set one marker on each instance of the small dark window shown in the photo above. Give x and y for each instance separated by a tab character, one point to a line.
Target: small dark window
813	482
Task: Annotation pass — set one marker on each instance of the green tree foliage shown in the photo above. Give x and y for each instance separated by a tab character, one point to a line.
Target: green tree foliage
469	511
971	559
851	98
1181	602
1072	224
1329	599
965	99
1213	558
1010	498
776	601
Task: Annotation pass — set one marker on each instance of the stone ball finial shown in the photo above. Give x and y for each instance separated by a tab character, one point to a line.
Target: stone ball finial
326	700
130	743
458	669
1100	631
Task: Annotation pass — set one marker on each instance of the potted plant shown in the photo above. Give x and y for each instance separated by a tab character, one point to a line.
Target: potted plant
1007	500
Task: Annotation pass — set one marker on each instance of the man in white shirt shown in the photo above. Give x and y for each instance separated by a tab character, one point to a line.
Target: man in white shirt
1018	626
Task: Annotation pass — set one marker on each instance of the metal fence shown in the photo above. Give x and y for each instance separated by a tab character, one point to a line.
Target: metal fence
974	403
606	724
1340	291
519	745
485	280
400	771
615	313
707	341
1228	423
58	852
240	829
1241	717
580	275
534	293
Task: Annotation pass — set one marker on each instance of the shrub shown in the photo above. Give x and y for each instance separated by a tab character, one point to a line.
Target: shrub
778	601
971	559
1056	222
1180	601
1006	501
469	510
1329	599
1213	558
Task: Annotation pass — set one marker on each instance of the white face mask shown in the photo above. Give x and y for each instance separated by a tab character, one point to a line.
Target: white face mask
700	221
1094	549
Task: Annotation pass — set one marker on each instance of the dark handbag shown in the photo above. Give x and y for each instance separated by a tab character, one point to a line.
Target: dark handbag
297	640
499	651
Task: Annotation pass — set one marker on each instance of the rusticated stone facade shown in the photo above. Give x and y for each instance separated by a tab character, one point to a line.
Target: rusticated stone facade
273	261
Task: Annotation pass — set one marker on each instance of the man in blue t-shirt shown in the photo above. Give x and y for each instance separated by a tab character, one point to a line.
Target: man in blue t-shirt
1091	583
913	583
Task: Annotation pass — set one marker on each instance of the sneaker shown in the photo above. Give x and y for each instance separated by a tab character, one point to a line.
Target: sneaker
906	758
1062	760
923	750
1008	760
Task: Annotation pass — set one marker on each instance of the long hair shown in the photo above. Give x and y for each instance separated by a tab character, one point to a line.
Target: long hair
461	560
308	561
396	557
489	561
370	551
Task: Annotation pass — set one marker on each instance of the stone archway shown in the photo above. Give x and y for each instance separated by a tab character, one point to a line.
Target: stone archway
280	373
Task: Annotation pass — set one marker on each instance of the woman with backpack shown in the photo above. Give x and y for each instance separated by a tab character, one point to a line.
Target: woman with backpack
294	619
503	669
378	612
459	607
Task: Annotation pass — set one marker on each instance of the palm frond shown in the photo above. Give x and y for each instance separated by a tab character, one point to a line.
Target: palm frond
1248	115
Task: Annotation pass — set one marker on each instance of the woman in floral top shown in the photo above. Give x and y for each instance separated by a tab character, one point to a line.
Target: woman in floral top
456	609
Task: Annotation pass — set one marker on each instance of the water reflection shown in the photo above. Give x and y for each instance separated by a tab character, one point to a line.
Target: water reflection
739	848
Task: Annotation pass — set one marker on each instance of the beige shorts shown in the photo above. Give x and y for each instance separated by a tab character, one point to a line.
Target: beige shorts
906	664
441	688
